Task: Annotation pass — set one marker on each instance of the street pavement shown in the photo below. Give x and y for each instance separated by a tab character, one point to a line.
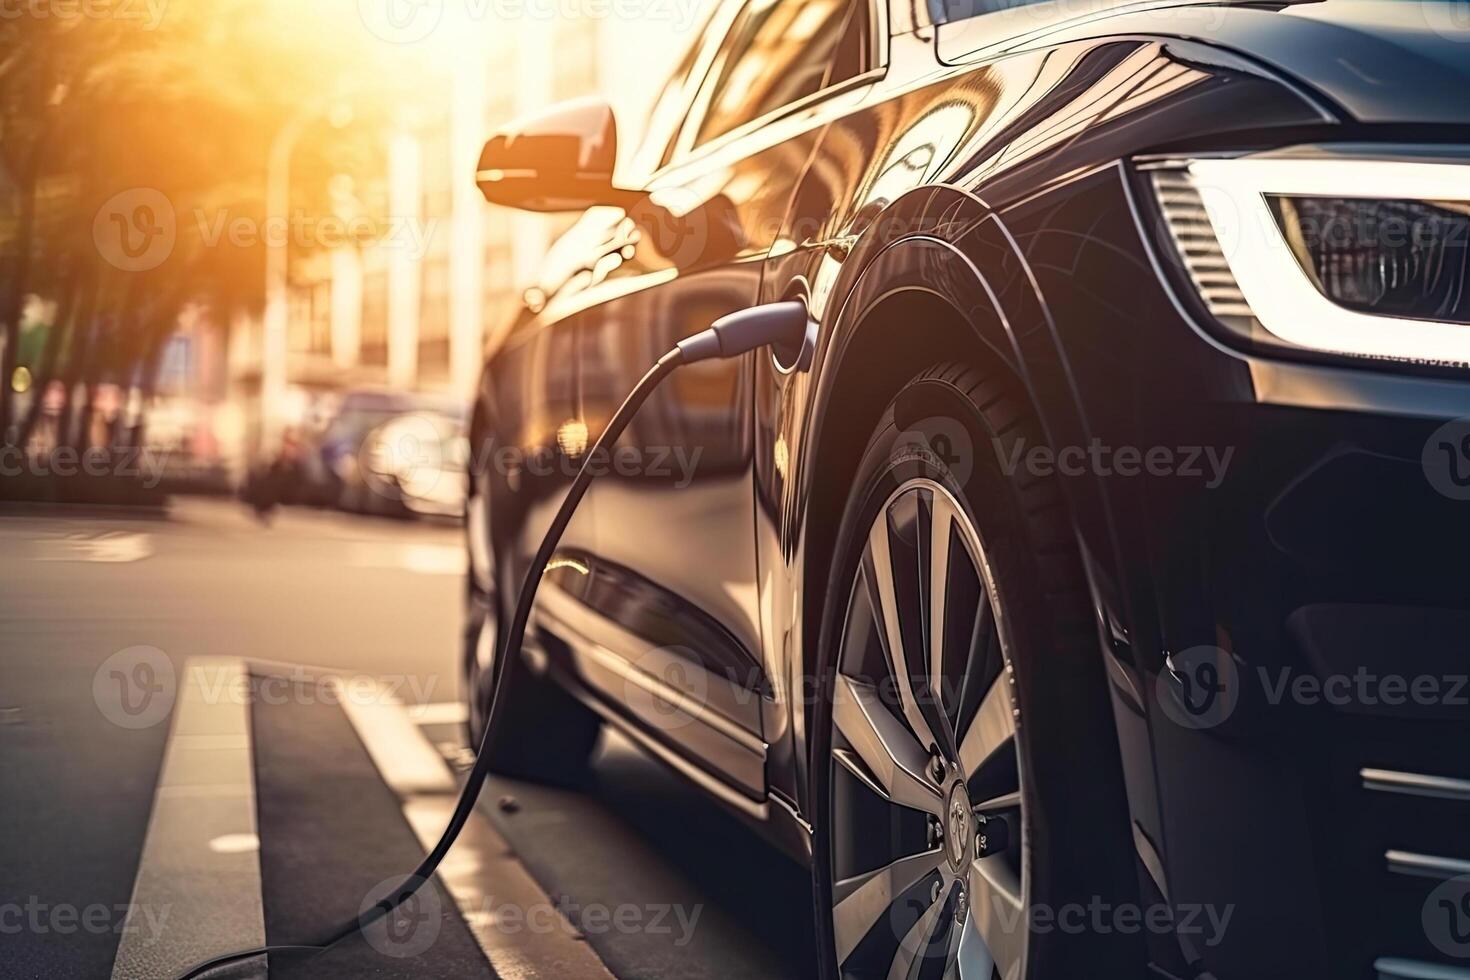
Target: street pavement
154	815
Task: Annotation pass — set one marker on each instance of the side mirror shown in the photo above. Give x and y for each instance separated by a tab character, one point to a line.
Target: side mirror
561	159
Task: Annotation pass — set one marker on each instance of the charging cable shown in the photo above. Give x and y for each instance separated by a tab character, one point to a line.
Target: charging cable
782	326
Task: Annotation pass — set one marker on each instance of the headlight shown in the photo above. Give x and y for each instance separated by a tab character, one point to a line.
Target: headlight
1365	258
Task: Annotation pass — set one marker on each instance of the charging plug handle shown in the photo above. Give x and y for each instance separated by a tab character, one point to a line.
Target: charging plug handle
781	326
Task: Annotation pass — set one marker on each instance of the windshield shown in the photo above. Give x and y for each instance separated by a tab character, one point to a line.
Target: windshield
948	11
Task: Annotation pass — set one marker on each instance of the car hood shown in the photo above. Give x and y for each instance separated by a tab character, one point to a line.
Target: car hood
1383	61
1375	61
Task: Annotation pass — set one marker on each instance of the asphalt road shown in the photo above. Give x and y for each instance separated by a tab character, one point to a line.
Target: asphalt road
109	865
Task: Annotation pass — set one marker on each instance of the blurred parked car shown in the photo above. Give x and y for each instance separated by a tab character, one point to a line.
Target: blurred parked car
334	470
418	462
331	474
382	452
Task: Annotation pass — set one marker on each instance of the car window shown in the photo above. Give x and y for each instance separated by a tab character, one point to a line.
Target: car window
1018	16
779	52
949	11
670	109
968	27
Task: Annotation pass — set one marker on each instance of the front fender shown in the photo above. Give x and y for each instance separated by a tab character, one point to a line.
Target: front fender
936	245
948	244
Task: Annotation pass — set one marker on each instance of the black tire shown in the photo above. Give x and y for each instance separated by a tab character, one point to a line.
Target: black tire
546	735
952	425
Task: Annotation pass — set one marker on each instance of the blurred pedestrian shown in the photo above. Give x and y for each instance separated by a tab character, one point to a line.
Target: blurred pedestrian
279	482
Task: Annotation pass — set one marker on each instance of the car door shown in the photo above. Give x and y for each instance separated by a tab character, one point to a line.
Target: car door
663	611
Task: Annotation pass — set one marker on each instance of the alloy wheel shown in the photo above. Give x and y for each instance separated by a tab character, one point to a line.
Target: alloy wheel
928	824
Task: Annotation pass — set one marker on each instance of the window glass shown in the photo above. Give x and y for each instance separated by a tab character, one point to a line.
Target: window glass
669	110
949	11
778	52
971	26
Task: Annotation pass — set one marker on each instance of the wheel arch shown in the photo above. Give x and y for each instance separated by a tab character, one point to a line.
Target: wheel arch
916	300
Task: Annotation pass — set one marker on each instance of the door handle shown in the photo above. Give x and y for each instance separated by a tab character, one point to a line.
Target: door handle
841	246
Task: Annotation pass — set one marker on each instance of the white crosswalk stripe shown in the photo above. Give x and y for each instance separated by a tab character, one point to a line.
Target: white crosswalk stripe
480	871
197	892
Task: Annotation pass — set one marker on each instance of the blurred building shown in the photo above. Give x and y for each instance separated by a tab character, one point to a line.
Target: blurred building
417	309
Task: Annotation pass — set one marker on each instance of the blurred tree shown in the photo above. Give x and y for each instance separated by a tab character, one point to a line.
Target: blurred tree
44	60
133	155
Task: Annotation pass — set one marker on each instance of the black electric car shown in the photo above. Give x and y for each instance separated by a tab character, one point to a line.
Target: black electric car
1087	597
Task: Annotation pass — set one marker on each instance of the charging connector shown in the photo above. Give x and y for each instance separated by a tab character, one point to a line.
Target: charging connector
782	326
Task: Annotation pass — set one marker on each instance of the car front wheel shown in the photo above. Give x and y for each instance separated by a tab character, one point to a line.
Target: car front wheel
965	772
